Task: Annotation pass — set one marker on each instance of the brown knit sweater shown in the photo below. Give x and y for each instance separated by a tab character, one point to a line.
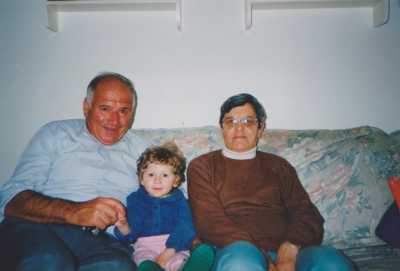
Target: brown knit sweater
260	200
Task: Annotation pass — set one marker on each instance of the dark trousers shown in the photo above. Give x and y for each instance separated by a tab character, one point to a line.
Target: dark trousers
28	246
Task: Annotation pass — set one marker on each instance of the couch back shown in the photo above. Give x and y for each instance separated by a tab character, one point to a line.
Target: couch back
344	171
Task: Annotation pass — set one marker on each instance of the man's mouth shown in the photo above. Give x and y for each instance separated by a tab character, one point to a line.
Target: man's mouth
110	129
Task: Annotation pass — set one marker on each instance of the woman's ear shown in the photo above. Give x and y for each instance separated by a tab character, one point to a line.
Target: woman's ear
261	130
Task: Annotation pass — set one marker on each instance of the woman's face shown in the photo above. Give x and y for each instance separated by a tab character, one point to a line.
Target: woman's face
240	128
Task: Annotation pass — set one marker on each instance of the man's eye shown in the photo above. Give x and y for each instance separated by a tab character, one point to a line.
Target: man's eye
124	110
104	108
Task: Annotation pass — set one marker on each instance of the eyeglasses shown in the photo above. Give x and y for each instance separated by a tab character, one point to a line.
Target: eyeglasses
230	122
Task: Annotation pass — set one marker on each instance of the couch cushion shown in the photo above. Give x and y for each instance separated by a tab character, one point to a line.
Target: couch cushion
395	136
344	171
375	258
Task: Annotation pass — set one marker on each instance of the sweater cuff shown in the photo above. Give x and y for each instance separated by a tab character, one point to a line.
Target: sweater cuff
126	238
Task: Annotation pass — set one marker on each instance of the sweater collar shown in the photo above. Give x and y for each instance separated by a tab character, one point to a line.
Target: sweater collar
250	154
172	196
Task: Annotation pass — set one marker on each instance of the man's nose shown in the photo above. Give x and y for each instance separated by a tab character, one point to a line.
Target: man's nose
113	117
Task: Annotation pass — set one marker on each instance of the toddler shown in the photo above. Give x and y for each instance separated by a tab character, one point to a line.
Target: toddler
159	220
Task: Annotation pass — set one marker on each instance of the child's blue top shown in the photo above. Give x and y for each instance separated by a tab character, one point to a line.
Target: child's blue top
149	216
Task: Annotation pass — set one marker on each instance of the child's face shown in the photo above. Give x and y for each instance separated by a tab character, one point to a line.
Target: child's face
159	179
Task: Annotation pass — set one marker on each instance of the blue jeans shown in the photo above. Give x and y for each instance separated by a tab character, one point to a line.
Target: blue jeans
244	256
29	246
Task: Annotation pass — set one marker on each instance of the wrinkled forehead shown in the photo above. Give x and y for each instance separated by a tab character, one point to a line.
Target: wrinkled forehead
113	90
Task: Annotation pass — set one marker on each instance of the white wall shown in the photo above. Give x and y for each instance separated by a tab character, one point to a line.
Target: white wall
310	68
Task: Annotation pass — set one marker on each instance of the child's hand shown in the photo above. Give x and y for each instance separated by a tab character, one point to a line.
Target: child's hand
123	226
196	241
164	257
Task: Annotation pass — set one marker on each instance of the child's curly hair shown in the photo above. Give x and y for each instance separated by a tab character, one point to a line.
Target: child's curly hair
167	154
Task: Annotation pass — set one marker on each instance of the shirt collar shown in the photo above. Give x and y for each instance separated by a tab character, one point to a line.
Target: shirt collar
171	196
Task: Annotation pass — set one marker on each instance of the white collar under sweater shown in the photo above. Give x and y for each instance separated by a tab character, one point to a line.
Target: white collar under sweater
250	154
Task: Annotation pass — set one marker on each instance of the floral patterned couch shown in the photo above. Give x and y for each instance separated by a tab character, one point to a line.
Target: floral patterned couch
344	171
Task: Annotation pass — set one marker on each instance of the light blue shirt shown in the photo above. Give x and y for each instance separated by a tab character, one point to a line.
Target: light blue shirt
63	160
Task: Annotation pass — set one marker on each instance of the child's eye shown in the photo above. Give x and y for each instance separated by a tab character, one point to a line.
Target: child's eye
150	174
165	175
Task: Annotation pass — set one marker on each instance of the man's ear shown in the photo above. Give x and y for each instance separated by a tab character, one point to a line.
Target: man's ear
86	107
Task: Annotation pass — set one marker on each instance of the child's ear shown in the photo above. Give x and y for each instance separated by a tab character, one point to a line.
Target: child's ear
176	183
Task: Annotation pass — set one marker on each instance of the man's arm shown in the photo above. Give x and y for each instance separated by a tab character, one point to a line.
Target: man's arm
209	215
99	212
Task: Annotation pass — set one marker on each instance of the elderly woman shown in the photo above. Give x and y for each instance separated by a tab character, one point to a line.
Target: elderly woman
251	204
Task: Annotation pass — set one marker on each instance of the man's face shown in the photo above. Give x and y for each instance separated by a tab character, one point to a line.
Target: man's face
240	128
110	114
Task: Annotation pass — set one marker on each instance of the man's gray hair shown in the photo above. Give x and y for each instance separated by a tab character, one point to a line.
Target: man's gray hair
91	88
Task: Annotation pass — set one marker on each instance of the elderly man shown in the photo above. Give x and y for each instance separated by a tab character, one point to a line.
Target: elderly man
74	177
251	204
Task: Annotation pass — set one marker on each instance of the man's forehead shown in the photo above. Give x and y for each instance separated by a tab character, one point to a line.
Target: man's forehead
117	93
114	103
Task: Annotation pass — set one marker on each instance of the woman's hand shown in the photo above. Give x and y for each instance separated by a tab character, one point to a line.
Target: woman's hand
286	258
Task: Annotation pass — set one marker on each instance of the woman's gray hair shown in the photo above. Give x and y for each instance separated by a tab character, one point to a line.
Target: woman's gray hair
91	88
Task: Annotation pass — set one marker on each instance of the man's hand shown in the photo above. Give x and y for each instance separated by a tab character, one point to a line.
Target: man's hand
286	258
99	212
163	258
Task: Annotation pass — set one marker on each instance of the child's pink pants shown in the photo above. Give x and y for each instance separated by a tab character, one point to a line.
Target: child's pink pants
148	248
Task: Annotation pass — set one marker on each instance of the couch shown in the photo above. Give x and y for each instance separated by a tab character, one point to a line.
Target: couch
344	171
